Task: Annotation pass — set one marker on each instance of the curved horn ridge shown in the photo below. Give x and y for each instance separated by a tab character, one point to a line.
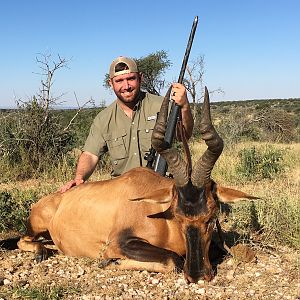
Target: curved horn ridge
202	170
176	164
157	139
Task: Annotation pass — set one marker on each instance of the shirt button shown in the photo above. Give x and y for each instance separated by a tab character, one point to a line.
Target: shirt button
133	138
134	153
132	123
147	130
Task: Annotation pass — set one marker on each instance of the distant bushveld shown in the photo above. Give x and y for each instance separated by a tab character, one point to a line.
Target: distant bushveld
282	114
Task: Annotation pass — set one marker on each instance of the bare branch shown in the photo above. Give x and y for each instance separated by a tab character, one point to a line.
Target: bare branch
194	83
80	108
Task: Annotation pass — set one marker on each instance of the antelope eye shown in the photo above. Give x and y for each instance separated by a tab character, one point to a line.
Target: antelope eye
209	221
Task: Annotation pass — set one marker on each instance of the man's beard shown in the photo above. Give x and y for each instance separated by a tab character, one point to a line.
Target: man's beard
133	99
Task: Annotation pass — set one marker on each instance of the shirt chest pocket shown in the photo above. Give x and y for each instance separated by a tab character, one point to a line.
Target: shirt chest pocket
145	135
116	144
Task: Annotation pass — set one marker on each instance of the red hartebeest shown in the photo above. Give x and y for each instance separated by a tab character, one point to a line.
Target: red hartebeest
142	219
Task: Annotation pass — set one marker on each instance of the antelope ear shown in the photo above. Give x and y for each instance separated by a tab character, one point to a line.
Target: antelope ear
227	195
164	195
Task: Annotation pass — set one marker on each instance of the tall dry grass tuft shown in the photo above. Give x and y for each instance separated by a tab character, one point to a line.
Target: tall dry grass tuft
275	218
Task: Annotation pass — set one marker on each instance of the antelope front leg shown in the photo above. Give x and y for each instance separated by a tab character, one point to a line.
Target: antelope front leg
27	243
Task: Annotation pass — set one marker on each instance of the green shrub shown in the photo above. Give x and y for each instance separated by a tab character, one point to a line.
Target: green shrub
14	209
34	136
276	125
245	218
237	126
256	164
275	218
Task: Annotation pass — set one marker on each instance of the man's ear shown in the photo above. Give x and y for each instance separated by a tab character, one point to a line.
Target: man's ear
141	76
228	195
110	83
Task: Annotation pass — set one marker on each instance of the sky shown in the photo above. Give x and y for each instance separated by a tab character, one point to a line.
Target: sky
251	48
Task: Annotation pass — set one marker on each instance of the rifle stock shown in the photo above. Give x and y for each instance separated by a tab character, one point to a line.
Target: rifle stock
160	165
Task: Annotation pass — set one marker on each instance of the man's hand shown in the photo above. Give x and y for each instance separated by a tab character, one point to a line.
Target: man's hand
70	184
179	95
86	165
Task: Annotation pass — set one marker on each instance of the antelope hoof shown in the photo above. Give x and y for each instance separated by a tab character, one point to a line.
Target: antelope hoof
42	255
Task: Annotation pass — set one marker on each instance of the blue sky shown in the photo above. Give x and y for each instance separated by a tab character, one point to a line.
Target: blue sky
251	48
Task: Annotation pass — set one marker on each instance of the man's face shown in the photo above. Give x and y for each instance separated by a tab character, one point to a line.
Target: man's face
126	87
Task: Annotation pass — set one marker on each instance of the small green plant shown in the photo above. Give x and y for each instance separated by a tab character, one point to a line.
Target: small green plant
14	209
276	218
44	292
244	218
260	163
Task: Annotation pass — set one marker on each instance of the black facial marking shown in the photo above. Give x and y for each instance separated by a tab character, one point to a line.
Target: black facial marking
194	256
191	200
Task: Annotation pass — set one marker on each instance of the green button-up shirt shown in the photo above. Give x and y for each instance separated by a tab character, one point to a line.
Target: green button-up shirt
127	140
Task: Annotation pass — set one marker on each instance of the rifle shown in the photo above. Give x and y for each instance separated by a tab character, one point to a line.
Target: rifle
160	165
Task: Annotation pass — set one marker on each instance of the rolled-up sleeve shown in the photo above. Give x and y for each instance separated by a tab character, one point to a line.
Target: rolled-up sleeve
95	142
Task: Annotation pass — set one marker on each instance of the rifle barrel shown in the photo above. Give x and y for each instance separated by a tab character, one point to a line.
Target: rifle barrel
188	50
161	164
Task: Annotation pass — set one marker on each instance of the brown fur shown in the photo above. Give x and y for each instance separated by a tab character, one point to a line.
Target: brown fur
90	216
88	219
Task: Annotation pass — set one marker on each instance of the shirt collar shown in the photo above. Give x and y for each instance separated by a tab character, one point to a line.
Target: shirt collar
141	97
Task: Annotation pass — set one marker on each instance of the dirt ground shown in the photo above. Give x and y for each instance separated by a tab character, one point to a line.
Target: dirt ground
250	272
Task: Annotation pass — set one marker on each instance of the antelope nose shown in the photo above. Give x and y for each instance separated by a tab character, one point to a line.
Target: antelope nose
194	278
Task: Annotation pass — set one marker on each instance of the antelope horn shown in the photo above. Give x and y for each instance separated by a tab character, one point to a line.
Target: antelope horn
202	170
177	166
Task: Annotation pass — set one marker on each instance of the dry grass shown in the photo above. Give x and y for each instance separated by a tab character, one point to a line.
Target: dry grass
270	222
276	216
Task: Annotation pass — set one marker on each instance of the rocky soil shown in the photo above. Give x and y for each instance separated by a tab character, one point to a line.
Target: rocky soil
251	273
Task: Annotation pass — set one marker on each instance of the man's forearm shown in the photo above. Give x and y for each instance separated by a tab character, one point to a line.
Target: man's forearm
86	165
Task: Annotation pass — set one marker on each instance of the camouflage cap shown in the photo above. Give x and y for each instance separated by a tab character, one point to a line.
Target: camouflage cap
131	64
